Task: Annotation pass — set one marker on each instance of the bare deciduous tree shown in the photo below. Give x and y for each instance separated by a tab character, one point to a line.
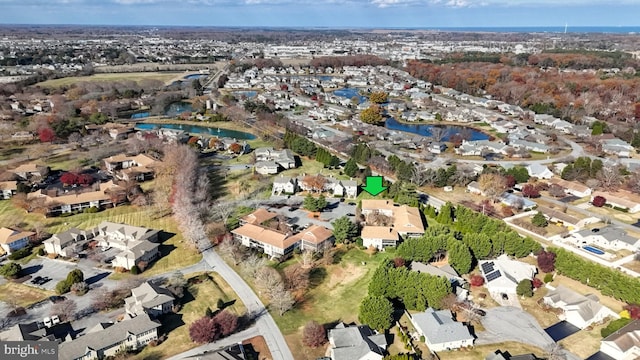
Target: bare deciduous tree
65	309
493	185
267	278
438	133
250	265
609	177
281	300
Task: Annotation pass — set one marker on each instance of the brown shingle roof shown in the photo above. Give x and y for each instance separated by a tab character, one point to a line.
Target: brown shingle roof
379	232
314	234
259	216
7	236
267	236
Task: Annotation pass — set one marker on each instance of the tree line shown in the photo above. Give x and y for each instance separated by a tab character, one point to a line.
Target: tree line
609	281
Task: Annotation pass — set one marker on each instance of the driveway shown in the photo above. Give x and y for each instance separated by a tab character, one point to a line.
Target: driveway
508	323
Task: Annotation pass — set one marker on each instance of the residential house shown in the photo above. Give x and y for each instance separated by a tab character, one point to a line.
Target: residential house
315	238
539	171
149	299
617	147
107	194
608	237
12	240
233	352
446	271
137	244
266	167
440	331
121	132
623	344
277	243
272	242
30	170
284	185
529	146
558	217
517	202
502	274
37	331
139	167
474	188
342	188
577	309
478	147
258	217
437	148
107	340
571	187
68	243
283	158
356	343
8	189
621	199
407	222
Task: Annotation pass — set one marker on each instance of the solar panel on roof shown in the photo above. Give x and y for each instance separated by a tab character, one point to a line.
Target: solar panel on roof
487	267
494	275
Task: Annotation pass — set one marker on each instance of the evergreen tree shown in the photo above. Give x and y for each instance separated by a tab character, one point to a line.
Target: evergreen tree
344	229
539	220
377	312
460	257
351	168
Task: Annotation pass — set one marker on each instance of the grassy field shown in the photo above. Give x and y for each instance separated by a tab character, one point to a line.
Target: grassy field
198	298
23	295
174	251
335	295
136	76
480	352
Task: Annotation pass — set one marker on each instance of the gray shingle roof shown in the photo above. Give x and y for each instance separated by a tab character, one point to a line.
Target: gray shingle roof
354	342
438	326
106	338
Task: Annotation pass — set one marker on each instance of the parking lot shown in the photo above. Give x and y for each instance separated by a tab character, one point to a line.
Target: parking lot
57	270
299	216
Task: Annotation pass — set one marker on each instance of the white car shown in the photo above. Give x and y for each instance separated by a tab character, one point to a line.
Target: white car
48	322
55	319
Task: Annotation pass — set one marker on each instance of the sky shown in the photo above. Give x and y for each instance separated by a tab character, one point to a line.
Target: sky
325	13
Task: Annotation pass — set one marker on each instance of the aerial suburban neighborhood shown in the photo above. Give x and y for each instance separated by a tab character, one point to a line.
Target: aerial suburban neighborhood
283	194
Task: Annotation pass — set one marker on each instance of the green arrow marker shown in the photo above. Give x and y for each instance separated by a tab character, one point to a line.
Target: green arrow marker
374	185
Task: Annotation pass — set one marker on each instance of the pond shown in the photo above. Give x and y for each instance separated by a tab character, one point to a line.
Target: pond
140	115
194	76
350	93
425	130
197	129
177	108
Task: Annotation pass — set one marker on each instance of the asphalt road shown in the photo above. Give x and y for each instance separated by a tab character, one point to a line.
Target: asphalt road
265	324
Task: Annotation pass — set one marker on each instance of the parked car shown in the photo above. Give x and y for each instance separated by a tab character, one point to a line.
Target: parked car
55	319
36	280
48	322
505	296
350	214
55	298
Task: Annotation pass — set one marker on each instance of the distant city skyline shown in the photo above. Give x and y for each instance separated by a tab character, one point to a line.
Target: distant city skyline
325	13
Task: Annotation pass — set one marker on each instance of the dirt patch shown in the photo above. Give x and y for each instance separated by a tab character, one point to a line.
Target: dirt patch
344	275
259	348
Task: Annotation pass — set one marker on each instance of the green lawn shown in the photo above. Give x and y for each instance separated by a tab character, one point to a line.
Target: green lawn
198	298
175	252
135	76
336	296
